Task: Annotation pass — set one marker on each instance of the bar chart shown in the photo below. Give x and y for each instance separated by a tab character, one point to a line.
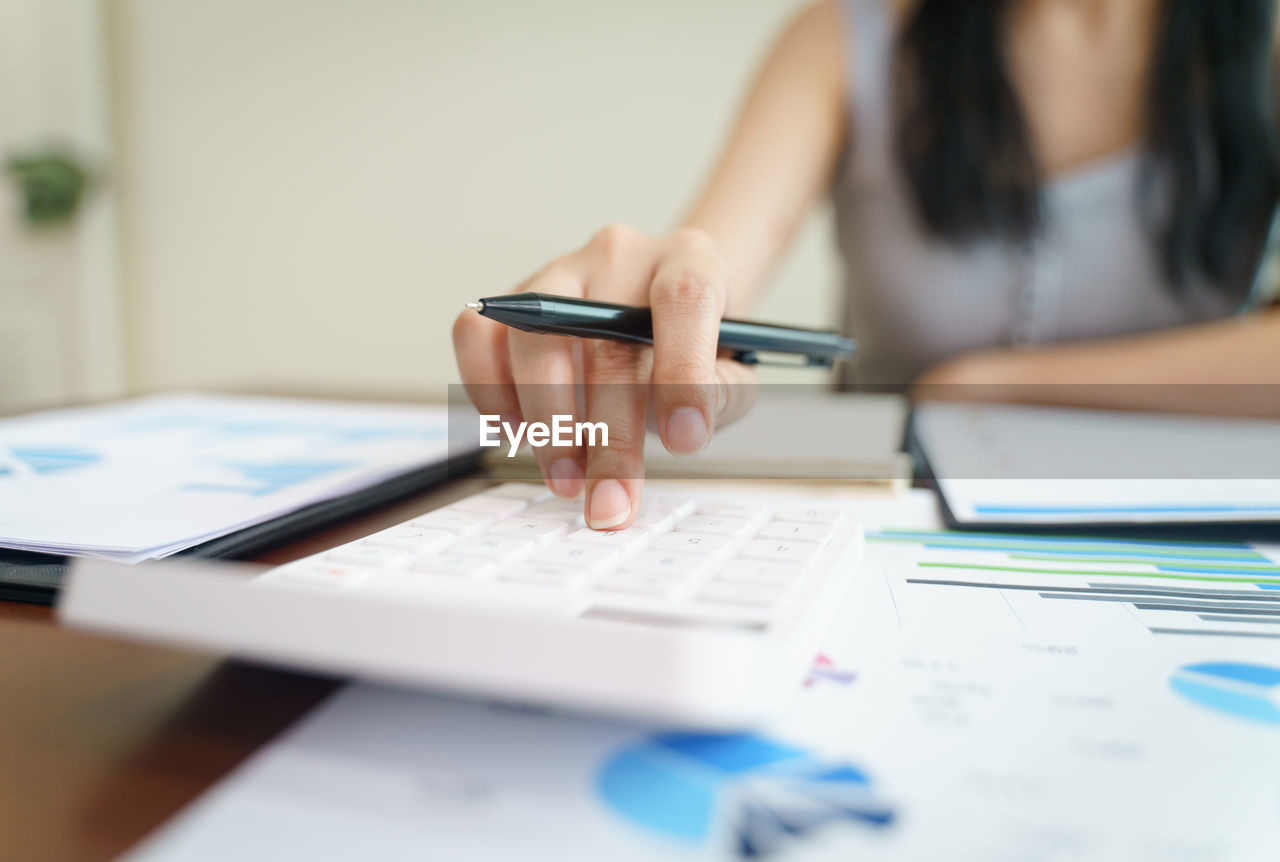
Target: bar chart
1172	588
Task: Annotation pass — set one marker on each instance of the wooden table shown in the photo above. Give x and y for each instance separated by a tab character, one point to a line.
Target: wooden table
102	740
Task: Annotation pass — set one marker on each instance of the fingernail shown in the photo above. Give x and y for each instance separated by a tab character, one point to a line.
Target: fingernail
566	477
609	505
686	431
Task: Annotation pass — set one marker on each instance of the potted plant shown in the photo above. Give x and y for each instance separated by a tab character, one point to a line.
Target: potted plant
51	182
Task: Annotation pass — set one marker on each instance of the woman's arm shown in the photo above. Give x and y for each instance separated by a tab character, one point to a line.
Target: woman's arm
782	152
778	160
1188	369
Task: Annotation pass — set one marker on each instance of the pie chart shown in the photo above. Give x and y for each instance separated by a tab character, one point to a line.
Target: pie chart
1249	691
763	793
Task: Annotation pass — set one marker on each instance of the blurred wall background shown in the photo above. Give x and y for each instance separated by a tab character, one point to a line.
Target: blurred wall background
60	314
308	190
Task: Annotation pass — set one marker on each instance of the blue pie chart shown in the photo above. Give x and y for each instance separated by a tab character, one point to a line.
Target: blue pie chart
1249	691
679	785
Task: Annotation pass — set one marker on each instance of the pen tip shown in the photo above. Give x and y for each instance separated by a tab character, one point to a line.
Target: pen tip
478	306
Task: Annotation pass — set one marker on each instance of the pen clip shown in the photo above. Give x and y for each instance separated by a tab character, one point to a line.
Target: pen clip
752	357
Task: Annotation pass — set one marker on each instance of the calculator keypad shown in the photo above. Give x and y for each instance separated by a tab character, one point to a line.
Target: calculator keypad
737	559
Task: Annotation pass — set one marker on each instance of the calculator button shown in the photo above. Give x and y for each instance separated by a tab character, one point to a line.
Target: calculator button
590	557
694	616
783	551
455	521
635	583
679	505
810	514
671	563
521	490
746	595
631	537
537	529
654	522
729	509
798	530
412	539
497	548
361	554
323	574
721	526
491	504
697	543
555	509
545	574
454	564
760	571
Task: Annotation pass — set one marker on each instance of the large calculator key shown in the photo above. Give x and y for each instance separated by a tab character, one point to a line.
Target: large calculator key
537	529
522	490
491	504
589	557
798	530
455	521
810	514
412	539
781	551
745	595
675	564
455	565
545	575
632	537
493	547
637	584
694	543
760	572
323	574
719	525
372	556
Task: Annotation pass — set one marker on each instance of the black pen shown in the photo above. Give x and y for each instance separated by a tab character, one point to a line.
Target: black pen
746	341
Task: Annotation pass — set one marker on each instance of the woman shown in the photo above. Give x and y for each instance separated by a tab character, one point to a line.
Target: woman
1028	192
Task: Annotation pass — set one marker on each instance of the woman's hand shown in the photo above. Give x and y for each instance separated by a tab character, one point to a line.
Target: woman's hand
527	377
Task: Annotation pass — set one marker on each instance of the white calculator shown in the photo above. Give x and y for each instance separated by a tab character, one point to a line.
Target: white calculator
707	611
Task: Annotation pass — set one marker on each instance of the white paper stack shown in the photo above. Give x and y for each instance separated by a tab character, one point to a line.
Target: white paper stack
153	476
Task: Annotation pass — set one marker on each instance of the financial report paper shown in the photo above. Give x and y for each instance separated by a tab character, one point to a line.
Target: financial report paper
152	476
981	697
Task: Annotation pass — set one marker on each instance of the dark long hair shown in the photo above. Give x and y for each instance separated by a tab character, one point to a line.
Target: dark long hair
965	150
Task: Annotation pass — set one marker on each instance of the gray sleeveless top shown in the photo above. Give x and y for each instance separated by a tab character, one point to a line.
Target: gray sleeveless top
913	301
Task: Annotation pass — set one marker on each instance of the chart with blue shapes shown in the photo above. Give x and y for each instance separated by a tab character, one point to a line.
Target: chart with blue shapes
267	478
689	786
1249	691
45	460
